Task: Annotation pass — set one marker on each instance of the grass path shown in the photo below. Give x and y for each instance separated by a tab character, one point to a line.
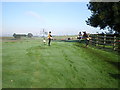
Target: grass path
30	64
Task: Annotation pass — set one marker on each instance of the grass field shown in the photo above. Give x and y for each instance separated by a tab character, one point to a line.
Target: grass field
28	63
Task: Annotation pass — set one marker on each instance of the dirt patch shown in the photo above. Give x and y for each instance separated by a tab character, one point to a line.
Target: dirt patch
8	39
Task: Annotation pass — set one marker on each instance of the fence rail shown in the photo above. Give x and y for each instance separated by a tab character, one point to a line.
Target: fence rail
111	41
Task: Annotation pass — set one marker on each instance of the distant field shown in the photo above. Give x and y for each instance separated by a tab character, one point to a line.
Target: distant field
28	63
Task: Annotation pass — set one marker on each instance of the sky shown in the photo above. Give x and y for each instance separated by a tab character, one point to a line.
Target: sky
61	18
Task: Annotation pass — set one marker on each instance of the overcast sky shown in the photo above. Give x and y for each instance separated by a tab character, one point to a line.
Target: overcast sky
62	18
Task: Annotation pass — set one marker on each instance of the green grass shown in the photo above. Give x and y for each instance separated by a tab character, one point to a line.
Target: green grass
31	64
0	64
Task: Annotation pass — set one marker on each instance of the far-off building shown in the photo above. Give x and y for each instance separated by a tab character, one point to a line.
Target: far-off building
18	36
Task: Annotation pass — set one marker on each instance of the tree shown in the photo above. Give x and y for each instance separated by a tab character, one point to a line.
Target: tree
104	15
30	35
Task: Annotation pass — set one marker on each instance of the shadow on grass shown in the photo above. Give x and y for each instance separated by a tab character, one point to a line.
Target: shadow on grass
107	49
116	64
115	76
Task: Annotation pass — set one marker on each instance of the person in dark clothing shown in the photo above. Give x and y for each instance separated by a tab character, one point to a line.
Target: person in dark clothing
86	37
49	38
79	36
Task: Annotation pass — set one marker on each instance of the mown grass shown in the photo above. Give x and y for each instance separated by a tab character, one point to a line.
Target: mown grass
0	64
29	63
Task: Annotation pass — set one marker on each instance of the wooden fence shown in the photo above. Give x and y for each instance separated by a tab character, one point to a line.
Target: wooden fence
110	41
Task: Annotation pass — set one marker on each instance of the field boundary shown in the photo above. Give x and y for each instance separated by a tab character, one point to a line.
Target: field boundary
108	41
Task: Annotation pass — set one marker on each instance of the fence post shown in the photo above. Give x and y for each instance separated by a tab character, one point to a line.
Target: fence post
114	43
104	41
91	39
97	42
